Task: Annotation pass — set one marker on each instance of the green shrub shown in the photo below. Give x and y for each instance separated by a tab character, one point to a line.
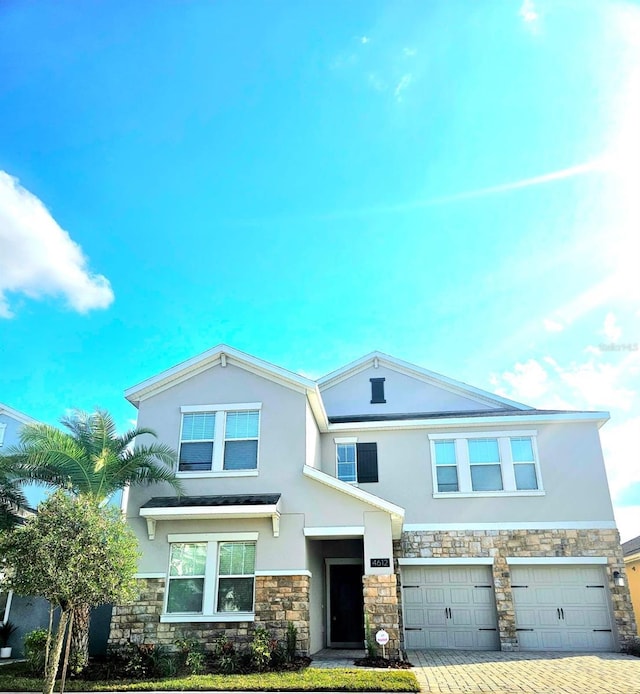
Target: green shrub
370	639
225	657
292	641
260	649
35	649
192	656
632	647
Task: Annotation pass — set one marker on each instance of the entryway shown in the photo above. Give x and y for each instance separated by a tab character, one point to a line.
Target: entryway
345	613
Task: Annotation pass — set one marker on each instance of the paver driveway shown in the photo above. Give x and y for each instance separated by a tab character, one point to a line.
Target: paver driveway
472	672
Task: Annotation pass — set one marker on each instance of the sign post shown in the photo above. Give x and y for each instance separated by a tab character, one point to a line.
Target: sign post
382	637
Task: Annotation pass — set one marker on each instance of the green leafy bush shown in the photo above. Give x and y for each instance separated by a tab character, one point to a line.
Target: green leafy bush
192	656
633	647
35	650
260	649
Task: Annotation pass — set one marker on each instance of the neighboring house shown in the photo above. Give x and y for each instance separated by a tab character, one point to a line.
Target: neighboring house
29	613
452	517
25	613
631	551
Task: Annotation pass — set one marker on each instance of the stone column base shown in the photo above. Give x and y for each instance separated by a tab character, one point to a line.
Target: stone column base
381	609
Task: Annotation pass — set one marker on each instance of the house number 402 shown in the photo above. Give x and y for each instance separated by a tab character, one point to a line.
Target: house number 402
380	563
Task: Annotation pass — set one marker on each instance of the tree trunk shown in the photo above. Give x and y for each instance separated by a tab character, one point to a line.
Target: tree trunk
80	639
51	669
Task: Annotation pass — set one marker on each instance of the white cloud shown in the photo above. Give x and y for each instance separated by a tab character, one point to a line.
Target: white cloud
627	521
409	52
402	85
364	39
528	11
39	258
619	444
552	326
611	330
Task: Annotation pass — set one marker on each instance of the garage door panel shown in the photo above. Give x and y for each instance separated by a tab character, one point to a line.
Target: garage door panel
595	596
463	639
546	595
415	638
484	619
435	617
437	638
412	596
414	617
460	596
462	618
434	596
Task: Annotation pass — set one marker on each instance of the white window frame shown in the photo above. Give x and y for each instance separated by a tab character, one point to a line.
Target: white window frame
443	465
7	607
342	441
210	591
219	438
506	464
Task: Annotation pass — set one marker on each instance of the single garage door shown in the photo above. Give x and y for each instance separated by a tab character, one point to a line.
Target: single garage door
449	607
562	608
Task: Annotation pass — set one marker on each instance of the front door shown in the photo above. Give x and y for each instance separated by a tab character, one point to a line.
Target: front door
346	614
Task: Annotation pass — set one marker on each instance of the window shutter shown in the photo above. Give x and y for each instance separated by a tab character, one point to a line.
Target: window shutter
377	390
367	462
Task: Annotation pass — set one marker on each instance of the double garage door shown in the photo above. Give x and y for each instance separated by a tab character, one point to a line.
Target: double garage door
557	608
449	607
562	608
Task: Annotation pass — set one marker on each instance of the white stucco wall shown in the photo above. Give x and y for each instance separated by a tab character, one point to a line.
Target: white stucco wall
402	393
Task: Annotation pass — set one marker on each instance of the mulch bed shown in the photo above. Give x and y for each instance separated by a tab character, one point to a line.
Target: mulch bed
390	663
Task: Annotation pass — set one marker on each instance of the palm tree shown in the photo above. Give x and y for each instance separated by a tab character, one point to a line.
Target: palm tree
11	497
92	460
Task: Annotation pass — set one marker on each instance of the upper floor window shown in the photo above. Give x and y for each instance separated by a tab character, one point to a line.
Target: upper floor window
356	462
446	466
219	438
495	463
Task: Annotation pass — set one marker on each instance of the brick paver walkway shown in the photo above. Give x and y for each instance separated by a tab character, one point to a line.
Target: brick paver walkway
475	672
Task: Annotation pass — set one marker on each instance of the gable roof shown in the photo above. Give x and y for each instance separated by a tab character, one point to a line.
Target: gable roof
379	358
17	415
221	355
631	546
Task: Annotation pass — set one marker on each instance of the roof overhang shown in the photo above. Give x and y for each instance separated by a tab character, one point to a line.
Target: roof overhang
221	355
17	415
396	512
206	512
447	422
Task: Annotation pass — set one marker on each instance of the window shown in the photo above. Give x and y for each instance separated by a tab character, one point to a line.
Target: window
377	390
498	463
446	466
219	438
356	462
484	461
210	573
524	465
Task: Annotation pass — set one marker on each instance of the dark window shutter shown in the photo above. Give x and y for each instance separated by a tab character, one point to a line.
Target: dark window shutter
377	390
367	462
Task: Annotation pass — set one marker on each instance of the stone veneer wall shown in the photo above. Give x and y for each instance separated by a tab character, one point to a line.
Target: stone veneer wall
381	607
279	599
501	544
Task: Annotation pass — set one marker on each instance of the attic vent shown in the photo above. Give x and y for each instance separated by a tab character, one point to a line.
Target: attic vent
377	390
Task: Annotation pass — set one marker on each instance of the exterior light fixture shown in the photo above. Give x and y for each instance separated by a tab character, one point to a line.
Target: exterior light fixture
618	578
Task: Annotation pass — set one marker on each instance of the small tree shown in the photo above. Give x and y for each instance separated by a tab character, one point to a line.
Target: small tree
72	553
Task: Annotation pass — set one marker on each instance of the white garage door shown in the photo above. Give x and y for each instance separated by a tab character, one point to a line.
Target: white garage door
562	608
449	607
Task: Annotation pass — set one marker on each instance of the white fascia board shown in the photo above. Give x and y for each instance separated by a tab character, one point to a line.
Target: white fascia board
208	512
17	415
335	531
464	561
318	410
546	561
210	358
514	525
453	422
352	491
413	370
628	558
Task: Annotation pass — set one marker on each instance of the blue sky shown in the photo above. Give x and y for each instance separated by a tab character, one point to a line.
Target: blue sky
453	183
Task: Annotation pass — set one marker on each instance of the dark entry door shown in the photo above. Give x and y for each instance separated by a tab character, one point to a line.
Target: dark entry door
346	615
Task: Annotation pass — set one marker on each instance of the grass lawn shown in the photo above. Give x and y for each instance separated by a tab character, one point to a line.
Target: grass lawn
13	679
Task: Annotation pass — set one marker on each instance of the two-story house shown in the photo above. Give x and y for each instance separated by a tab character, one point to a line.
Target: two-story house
450	516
